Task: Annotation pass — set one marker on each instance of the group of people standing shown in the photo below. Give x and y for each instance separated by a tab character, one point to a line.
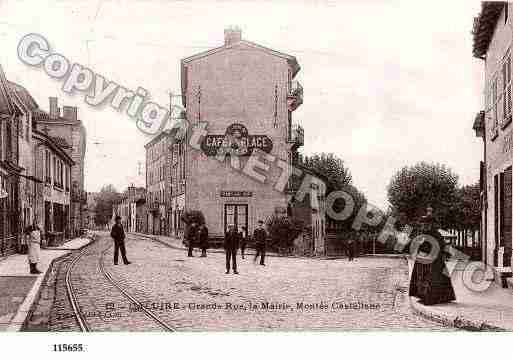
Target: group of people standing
233	240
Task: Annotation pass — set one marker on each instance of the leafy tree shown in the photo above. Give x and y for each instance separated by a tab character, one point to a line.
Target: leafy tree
107	198
470	206
331	166
283	231
413	188
339	178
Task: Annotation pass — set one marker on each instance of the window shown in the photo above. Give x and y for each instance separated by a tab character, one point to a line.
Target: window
47	167
54	167
8	142
493	109
506	91
27	129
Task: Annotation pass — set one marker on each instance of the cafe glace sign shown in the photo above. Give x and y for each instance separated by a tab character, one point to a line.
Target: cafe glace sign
235	141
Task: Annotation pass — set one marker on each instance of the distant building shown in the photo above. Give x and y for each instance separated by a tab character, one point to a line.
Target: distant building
158	183
492	42
130	208
91	210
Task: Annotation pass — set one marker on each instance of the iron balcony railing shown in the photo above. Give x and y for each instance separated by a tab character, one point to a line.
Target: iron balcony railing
295	95
297	136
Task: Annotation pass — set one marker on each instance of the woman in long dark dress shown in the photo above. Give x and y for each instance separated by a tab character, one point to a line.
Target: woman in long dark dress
428	281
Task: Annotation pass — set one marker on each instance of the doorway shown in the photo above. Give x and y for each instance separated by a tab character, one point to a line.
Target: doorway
237	215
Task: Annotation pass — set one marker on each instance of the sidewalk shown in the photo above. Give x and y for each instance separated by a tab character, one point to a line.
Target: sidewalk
488	310
19	289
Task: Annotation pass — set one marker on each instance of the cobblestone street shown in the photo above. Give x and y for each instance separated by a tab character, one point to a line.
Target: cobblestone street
196	294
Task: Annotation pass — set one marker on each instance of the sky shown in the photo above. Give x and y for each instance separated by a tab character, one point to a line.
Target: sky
386	83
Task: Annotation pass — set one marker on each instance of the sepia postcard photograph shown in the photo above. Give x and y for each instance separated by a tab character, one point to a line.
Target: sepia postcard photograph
257	167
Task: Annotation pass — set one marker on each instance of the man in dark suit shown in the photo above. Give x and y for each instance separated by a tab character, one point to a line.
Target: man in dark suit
231	243
203	239
118	234
260	237
191	238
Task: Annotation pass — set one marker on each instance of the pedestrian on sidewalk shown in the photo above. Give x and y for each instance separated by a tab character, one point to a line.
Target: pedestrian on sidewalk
350	249
33	237
231	243
118	234
192	234
260	237
203	239
429	281
242	238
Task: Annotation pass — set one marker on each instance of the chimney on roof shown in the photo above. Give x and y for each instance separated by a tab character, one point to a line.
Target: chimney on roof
69	113
55	111
232	35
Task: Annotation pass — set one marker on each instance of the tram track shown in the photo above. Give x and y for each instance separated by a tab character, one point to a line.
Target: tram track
74	297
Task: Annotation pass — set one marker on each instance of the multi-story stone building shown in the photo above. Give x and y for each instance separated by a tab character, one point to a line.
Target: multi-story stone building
158	185
244	94
129	208
10	120
53	189
69	132
492	42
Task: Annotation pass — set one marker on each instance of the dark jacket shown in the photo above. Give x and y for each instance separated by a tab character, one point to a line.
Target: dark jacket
231	240
203	237
192	235
117	232
259	236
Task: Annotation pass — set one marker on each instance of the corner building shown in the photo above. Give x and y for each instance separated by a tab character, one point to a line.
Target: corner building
245	92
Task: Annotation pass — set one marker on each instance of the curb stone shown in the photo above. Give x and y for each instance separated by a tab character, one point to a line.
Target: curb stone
450	320
19	325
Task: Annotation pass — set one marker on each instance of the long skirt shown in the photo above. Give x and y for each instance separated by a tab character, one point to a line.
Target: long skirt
34	252
430	284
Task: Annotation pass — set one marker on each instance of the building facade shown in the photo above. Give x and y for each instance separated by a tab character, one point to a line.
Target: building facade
52	166
131	209
492	42
10	119
69	132
244	94
158	183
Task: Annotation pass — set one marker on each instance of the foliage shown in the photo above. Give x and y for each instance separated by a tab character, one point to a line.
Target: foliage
105	201
190	216
331	166
413	188
283	230
339	179
466	210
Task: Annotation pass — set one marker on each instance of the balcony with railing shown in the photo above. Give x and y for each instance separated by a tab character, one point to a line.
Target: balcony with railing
296	136
295	95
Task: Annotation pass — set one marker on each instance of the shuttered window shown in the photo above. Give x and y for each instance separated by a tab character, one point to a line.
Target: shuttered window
506	91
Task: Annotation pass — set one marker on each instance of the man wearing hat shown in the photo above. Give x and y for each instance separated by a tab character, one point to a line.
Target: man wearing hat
260	236
118	234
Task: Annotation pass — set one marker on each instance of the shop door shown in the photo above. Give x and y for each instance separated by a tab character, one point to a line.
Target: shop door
237	215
